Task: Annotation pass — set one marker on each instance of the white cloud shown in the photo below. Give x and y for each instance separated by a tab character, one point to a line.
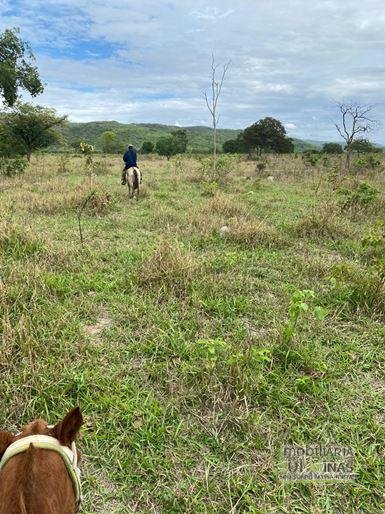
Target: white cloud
150	60
290	126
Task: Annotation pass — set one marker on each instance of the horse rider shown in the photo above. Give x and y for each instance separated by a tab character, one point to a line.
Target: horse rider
129	159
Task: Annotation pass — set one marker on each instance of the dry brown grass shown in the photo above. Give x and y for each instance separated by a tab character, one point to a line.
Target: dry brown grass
253	233
223	205
171	266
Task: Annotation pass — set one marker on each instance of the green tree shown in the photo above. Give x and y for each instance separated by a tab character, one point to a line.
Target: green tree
9	147
107	141
16	68
364	146
179	141
267	135
31	127
332	148
147	147
165	146
234	145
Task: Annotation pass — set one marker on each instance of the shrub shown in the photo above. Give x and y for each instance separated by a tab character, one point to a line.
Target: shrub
12	167
361	194
224	165
210	189
367	162
99	203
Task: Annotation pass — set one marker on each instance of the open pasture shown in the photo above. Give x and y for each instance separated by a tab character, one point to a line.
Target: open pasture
169	332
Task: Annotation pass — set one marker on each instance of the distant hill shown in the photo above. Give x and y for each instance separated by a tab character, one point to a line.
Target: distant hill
307	144
199	137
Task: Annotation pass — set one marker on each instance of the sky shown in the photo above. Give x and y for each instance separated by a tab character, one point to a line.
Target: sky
149	61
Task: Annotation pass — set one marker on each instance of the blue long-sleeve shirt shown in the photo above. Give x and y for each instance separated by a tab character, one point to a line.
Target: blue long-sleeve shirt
130	158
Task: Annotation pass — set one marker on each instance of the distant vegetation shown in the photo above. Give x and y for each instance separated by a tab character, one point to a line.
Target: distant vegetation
199	137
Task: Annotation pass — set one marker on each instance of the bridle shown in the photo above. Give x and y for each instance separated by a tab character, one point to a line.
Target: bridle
46	442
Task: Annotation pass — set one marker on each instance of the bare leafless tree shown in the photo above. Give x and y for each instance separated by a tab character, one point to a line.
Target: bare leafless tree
356	119
212	102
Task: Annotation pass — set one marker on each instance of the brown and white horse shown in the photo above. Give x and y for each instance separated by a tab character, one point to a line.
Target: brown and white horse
133	180
38	468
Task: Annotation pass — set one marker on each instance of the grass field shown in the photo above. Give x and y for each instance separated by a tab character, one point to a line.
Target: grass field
174	338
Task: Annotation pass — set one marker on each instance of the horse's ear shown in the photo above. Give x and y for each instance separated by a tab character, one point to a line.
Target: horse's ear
6	439
67	430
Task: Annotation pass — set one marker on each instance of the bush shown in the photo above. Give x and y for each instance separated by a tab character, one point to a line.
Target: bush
361	194
12	167
367	162
224	165
99	203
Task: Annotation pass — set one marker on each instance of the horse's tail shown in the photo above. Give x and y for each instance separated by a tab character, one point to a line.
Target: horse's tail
136	179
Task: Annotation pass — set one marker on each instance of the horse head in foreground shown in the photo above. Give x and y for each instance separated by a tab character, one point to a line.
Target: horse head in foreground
133	180
39	471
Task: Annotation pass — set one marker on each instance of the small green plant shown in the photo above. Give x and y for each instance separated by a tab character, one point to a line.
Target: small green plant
210	189
12	167
361	194
299	305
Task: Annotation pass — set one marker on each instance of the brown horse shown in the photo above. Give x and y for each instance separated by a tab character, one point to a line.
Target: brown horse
38	468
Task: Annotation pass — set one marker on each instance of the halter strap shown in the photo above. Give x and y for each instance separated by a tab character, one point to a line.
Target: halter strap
46	442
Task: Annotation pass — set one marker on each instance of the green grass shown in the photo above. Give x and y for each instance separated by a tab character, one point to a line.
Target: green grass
168	334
